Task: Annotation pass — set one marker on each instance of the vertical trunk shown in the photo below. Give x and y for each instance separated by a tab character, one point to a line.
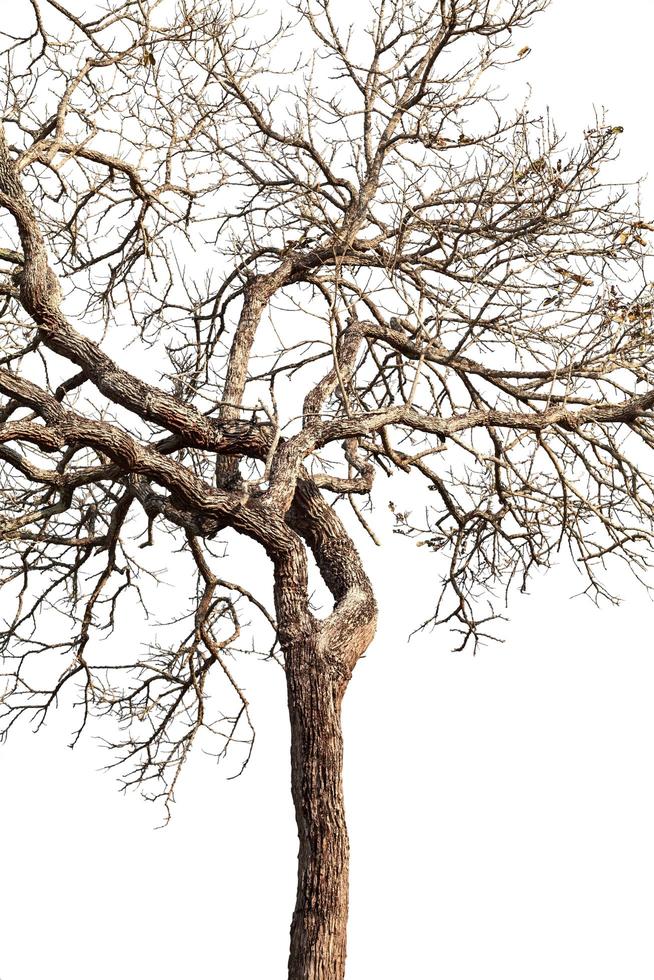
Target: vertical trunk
320	656
319	927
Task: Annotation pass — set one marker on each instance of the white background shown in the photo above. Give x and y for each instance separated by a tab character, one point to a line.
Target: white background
501	808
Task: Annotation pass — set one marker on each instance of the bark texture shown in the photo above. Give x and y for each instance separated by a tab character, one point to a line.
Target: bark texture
319	926
320	657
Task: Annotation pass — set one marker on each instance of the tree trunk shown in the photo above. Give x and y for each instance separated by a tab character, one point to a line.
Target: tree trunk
320	656
316	684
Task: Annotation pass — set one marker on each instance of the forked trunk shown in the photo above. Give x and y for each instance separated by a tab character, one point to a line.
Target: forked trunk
320	656
319	928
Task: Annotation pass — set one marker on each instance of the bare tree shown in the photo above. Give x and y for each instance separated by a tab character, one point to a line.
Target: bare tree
236	284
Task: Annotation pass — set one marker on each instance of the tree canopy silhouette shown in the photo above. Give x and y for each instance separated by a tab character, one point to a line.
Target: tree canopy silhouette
237	283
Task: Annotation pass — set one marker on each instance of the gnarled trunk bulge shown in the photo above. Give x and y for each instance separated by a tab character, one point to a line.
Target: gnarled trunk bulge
320	656
319	926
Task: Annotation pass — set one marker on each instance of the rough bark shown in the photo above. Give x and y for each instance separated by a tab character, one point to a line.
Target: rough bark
319	663
319	926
